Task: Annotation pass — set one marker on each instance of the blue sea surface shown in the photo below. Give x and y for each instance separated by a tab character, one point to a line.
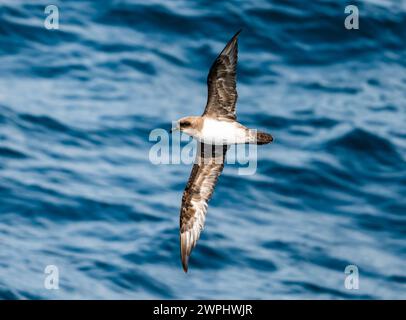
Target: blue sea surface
78	191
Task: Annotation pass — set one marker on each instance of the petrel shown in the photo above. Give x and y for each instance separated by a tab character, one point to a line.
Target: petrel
215	130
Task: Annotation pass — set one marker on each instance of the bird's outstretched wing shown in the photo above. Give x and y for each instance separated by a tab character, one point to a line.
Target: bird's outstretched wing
207	168
221	83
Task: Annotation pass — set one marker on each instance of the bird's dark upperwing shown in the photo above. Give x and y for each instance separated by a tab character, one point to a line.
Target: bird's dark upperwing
221	83
207	168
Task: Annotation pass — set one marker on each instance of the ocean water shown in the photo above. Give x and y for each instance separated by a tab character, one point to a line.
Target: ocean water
77	189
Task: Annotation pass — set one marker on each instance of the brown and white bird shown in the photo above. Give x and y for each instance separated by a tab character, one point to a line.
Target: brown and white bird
215	130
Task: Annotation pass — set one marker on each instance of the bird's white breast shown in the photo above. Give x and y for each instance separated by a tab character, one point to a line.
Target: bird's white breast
222	132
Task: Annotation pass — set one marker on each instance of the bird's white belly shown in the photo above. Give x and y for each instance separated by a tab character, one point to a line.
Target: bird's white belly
222	132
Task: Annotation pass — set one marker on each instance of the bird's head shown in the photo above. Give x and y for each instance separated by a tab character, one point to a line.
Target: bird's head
189	125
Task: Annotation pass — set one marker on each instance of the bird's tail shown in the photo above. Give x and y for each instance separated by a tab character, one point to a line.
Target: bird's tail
258	137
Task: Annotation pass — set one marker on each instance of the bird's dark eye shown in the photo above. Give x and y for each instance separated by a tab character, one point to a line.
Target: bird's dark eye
185	124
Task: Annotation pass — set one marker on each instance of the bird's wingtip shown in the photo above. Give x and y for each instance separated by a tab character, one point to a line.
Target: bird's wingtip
185	269
184	251
237	33
185	263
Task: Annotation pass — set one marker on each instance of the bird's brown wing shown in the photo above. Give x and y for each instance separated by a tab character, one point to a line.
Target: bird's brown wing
207	168
221	83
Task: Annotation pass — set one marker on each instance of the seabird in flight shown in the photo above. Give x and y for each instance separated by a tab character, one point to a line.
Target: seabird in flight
215	130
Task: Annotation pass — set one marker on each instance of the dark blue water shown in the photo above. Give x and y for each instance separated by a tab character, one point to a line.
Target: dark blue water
77	189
